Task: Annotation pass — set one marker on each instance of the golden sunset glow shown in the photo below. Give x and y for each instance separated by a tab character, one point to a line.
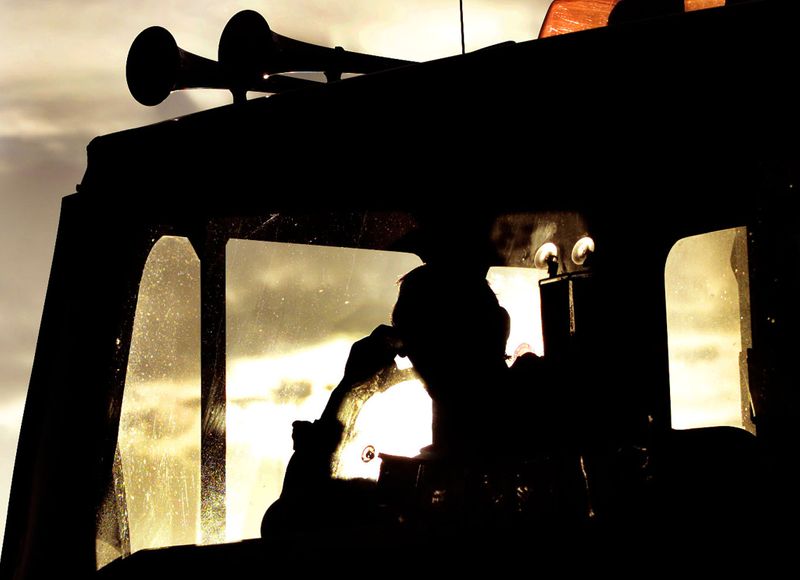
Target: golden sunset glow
294	312
293	380
396	422
517	290
159	441
704	332
265	396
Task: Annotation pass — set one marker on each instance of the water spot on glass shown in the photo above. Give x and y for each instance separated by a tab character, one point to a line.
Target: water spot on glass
368	454
159	437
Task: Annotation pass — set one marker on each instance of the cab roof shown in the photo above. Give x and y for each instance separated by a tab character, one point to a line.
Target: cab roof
687	105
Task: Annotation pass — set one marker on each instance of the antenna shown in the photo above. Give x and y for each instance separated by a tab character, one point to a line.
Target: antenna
461	14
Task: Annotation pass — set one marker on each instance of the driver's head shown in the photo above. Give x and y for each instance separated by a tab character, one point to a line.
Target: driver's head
444	313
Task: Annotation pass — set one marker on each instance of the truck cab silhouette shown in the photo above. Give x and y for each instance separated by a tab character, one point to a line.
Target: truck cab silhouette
627	192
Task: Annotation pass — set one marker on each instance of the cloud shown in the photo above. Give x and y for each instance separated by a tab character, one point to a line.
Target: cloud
65	42
35	174
10	414
31	111
71	73
336	292
42	158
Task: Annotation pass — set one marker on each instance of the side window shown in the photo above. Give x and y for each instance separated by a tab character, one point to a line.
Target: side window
293	311
708	317
157	472
517	291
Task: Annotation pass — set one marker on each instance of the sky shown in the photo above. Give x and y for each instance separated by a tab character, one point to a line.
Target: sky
62	82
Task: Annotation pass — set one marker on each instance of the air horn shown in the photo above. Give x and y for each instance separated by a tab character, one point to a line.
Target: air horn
251	58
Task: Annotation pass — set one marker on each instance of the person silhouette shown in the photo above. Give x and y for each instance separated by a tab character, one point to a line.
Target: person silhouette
450	325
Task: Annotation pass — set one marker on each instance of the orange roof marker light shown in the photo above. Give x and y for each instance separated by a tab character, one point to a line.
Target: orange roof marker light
692	5
565	16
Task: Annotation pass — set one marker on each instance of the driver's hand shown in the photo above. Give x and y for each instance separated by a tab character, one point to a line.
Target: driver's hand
372	354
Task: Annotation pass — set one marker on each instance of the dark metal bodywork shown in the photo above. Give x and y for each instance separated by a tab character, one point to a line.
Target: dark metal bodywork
653	131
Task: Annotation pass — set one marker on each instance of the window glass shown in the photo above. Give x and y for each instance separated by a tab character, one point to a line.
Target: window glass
517	290
293	311
707	315
157	472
